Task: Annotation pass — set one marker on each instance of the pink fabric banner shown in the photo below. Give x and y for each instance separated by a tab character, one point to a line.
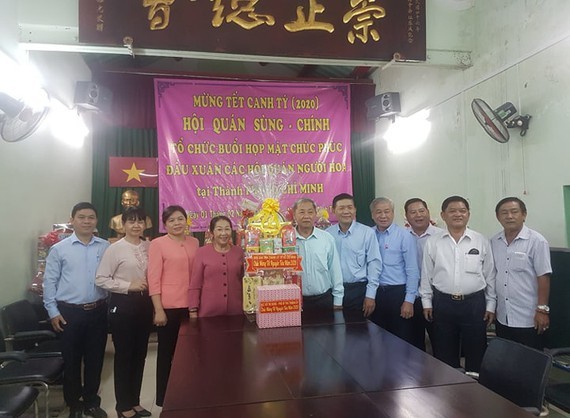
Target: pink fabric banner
211	133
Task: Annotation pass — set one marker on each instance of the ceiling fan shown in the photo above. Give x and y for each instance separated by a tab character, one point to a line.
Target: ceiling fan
19	119
495	122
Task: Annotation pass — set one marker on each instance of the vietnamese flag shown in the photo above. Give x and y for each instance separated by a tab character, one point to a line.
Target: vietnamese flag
133	172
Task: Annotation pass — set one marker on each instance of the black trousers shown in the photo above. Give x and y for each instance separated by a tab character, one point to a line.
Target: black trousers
83	344
130	318
526	336
389	301
323	301
167	338
459	325
420	326
354	294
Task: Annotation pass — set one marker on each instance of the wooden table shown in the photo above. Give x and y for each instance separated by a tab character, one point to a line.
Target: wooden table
333	366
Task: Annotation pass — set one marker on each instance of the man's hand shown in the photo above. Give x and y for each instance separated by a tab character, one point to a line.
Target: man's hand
428	314
407	310
368	306
57	323
489	317
541	322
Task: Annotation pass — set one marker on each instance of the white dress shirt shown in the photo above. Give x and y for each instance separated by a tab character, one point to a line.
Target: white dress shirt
422	239
517	267
462	267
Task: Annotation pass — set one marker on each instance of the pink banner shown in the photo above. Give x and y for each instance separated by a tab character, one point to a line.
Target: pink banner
211	133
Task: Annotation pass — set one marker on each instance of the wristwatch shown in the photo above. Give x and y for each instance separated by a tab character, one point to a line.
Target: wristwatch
543	308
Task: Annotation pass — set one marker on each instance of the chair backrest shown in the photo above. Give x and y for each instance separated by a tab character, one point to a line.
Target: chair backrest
516	372
19	316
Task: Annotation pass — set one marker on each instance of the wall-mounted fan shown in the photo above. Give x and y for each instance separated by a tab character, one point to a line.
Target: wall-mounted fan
20	119
495	122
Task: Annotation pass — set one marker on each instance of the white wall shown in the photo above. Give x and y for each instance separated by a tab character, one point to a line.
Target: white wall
41	178
520	54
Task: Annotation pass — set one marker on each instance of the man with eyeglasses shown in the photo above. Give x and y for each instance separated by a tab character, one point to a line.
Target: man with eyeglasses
458	287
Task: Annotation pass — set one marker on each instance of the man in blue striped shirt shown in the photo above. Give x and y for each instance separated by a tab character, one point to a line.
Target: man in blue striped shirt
400	272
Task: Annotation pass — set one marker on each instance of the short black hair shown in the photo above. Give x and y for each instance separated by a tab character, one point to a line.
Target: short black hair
342	196
218	218
412	201
452	199
133	213
510	199
167	213
81	206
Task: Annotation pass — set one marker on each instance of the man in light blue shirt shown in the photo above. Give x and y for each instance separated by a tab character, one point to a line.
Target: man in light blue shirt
400	272
322	274
359	256
419	219
78	310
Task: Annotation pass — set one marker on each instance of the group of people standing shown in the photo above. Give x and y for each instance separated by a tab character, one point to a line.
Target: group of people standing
452	282
91	286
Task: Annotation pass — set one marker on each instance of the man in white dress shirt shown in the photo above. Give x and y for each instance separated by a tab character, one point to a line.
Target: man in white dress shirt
458	287
419	219
522	262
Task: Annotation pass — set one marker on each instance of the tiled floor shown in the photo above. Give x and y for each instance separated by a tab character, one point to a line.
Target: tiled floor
107	392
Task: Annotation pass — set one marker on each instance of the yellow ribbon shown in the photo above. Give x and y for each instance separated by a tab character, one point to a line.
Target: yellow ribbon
268	217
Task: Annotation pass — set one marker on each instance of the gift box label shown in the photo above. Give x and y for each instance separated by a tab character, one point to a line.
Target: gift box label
257	262
278	306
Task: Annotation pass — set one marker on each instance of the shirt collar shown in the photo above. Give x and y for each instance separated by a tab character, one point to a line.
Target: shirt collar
75	239
388	230
524	233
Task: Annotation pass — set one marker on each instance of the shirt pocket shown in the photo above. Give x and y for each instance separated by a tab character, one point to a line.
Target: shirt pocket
392	257
519	261
473	263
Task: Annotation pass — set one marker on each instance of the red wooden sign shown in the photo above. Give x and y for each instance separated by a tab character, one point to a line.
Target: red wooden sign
360	30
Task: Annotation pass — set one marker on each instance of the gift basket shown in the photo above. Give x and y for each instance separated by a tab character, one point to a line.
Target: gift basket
272	282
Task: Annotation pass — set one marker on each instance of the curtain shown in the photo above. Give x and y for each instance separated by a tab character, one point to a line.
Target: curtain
117	141
362	152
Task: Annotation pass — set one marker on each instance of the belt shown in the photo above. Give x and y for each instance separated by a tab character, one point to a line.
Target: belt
458	296
84	306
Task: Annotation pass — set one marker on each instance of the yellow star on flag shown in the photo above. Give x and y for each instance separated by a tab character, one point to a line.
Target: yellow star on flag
133	173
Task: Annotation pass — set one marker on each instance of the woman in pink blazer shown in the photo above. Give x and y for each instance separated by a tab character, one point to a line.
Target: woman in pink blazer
170	260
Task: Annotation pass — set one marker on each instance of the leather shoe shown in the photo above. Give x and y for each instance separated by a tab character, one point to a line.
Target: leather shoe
95	412
142	412
75	413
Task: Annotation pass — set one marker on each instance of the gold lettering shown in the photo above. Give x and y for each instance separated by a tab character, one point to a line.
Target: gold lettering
364	14
243	16
310	22
159	13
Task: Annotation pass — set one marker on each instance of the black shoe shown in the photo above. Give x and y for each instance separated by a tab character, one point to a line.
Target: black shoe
143	412
95	412
75	413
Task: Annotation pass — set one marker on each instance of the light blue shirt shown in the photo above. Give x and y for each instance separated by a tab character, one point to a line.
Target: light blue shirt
517	266
70	273
399	259
360	258
321	265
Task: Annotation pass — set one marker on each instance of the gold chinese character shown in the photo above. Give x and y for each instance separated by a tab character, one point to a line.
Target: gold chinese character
364	13
304	23
159	13
251	19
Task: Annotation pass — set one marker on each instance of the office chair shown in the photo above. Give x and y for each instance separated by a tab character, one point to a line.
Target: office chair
516	372
558	393
26	330
15	400
24	368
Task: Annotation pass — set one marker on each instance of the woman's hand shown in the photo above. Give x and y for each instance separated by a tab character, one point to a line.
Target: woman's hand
160	319
138	285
